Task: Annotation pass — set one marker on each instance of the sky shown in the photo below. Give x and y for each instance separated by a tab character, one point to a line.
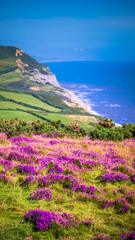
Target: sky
54	30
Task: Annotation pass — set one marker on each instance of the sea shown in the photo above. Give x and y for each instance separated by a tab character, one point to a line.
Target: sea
108	88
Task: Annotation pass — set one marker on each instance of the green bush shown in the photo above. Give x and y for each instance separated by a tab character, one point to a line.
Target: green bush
107	123
74	129
15	127
99	132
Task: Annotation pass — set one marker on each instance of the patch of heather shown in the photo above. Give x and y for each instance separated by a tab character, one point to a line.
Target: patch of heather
128	194
129	235
4	178
41	193
44	220
112	177
27	169
8	164
106	203
101	237
121	206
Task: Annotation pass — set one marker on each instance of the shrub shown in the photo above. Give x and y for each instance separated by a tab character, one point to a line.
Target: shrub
74	129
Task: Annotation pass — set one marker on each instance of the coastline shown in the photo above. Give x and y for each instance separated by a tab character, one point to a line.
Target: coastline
103	86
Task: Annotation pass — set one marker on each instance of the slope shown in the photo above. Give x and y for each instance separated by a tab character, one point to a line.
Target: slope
30	84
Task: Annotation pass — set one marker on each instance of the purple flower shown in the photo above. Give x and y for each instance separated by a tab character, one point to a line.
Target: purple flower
128	235
40	193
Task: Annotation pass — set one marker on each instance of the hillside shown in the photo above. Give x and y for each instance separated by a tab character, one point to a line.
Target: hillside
29	88
66	189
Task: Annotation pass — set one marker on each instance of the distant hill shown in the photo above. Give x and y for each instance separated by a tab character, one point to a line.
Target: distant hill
29	91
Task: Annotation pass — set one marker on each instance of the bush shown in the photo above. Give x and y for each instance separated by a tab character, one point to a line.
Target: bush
99	132
74	129
107	123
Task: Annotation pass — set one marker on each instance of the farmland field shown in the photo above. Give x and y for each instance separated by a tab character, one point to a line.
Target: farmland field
56	117
66	188
28	99
12	105
10	114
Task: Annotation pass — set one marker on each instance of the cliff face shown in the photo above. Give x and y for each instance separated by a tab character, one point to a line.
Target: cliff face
44	78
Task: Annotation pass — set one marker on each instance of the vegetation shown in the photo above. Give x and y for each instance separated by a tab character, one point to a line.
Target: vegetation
7	65
7	52
11	77
126	131
16	127
28	99
107	123
66	189
8	114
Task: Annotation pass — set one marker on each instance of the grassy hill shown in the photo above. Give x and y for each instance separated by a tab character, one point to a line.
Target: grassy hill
27	86
66	189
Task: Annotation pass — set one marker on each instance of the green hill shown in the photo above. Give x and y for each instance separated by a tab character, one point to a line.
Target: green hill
28	86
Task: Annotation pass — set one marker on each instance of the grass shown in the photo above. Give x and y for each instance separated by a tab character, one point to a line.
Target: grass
9	77
6	105
7	65
65	119
15	196
10	114
55	117
28	99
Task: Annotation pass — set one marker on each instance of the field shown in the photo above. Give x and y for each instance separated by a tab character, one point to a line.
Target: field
21	115
14	106
55	117
66	188
29	113
28	99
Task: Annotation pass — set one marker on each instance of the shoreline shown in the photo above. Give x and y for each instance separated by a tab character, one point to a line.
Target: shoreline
102	98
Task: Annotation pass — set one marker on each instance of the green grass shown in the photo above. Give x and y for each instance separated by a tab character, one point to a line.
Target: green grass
6	105
7	65
10	114
9	77
56	117
63	118
28	99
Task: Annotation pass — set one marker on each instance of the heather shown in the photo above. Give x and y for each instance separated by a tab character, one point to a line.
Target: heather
58	187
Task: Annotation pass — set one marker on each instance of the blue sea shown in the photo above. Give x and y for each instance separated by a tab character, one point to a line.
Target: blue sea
108	88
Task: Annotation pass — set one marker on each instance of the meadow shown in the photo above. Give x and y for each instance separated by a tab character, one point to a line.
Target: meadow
66	188
29	100
10	114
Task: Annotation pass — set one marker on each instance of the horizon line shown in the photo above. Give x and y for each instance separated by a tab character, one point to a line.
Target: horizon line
76	60
86	60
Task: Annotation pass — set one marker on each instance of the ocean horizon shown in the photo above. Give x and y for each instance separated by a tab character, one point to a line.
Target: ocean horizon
107	87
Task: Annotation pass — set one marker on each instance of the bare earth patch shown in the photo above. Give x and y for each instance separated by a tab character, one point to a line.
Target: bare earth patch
35	88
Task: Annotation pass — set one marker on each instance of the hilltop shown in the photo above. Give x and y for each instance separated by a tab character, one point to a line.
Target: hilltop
29	91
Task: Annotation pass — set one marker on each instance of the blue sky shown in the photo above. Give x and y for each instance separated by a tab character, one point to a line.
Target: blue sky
70	30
